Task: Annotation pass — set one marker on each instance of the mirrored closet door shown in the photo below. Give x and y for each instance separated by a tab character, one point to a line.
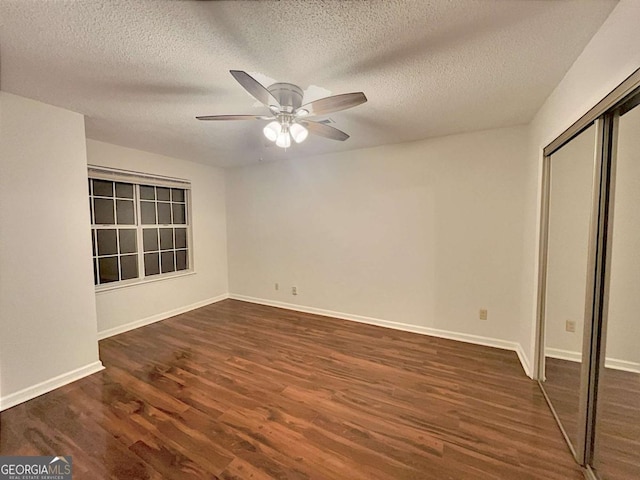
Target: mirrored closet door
571	184
589	289
617	441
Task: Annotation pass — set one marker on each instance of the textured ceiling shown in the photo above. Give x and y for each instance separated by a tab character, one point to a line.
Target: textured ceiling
142	70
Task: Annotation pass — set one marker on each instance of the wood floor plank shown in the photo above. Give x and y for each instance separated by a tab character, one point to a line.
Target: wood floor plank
241	391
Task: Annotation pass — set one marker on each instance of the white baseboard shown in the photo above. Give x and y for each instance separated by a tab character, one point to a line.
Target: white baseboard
41	388
524	360
563	354
613	363
407	327
624	365
160	316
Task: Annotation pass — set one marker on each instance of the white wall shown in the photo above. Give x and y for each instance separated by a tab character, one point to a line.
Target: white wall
610	57
47	304
423	233
125	307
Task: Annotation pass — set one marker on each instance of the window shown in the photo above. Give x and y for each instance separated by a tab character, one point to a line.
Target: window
139	229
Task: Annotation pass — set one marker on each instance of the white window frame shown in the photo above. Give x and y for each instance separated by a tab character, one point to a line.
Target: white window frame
138	179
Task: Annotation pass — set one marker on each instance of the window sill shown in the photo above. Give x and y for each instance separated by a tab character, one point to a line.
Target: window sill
109	288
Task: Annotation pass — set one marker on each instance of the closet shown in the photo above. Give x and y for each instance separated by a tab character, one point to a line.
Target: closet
589	285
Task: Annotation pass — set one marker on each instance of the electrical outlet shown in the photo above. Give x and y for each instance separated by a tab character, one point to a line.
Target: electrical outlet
570	326
277	287
483	313
294	290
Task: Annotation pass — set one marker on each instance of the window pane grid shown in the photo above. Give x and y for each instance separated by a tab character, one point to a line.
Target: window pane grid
167	246
108	215
148	225
163	206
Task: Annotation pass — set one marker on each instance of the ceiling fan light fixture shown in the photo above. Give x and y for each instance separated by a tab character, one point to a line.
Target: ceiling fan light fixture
284	139
272	130
298	132
284	101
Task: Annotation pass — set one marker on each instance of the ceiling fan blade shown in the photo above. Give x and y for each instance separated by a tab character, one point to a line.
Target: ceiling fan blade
333	104
325	131
256	89
235	117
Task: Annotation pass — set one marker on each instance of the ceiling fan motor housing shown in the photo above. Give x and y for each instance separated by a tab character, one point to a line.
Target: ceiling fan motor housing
288	95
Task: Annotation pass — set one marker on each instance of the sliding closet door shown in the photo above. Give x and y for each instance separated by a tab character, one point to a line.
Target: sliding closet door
617	444
588	363
571	170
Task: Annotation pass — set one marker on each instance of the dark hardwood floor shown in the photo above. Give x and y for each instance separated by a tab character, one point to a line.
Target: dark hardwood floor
618	444
242	391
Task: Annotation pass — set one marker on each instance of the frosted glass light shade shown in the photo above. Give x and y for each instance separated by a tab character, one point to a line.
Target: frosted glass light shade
272	130
298	132
284	139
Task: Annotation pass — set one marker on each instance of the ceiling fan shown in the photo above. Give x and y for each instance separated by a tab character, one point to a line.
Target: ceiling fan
289	118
